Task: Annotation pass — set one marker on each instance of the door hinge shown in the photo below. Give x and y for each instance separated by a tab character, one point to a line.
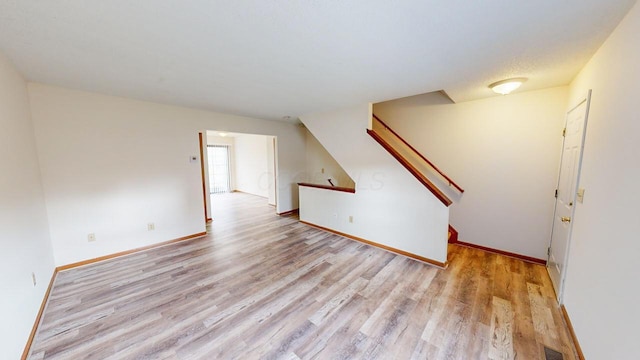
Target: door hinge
549	251
564	132
556	195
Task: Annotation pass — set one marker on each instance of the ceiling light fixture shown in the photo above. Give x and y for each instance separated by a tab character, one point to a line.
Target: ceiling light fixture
223	134
504	87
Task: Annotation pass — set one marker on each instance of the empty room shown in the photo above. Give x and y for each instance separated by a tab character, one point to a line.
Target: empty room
319	179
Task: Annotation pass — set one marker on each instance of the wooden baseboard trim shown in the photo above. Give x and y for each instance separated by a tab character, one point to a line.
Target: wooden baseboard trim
505	253
290	212
572	332
36	323
384	247
127	252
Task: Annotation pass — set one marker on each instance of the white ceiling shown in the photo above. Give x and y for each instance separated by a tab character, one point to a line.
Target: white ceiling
269	59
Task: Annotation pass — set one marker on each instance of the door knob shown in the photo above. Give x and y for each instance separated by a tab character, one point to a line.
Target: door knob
565	219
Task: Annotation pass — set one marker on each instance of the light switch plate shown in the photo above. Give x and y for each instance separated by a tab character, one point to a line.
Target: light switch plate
580	196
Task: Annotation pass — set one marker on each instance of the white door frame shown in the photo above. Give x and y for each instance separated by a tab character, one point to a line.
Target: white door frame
560	289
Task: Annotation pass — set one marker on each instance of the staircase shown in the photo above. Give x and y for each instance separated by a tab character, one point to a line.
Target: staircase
388	207
418	165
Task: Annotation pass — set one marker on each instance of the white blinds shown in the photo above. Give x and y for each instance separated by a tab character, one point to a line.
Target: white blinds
219	171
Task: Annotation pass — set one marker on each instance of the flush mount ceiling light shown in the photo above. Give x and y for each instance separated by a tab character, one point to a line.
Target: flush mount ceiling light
504	87
223	134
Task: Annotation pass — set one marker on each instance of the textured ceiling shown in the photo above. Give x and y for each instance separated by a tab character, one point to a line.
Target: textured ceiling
269	59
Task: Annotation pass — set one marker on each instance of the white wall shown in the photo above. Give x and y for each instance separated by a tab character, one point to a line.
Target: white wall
390	206
601	291
503	151
321	166
24	234
271	165
111	165
219	140
251	164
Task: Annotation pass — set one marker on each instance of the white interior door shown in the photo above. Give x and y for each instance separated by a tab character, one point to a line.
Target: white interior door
576	122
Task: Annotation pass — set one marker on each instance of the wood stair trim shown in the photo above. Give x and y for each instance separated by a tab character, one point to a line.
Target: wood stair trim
451	182
326	187
415	172
453	235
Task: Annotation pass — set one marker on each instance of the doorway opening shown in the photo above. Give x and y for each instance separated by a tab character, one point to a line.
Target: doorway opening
237	163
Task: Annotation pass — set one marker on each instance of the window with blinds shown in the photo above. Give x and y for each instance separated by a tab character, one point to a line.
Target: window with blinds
219	171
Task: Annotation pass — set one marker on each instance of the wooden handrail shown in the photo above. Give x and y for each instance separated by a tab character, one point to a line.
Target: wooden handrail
415	172
327	187
451	182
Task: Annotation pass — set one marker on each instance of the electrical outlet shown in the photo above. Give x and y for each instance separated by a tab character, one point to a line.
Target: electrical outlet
91	237
151	226
33	278
351	218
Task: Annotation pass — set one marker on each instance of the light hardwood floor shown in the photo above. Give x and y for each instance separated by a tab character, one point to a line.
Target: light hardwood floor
264	286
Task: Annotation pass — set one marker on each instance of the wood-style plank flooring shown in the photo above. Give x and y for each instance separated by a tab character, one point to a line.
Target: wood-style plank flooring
262	286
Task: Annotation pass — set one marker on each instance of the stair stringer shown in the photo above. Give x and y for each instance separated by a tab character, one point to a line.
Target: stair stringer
390	207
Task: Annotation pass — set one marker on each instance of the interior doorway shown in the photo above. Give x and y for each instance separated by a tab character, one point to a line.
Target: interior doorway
566	193
238	162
